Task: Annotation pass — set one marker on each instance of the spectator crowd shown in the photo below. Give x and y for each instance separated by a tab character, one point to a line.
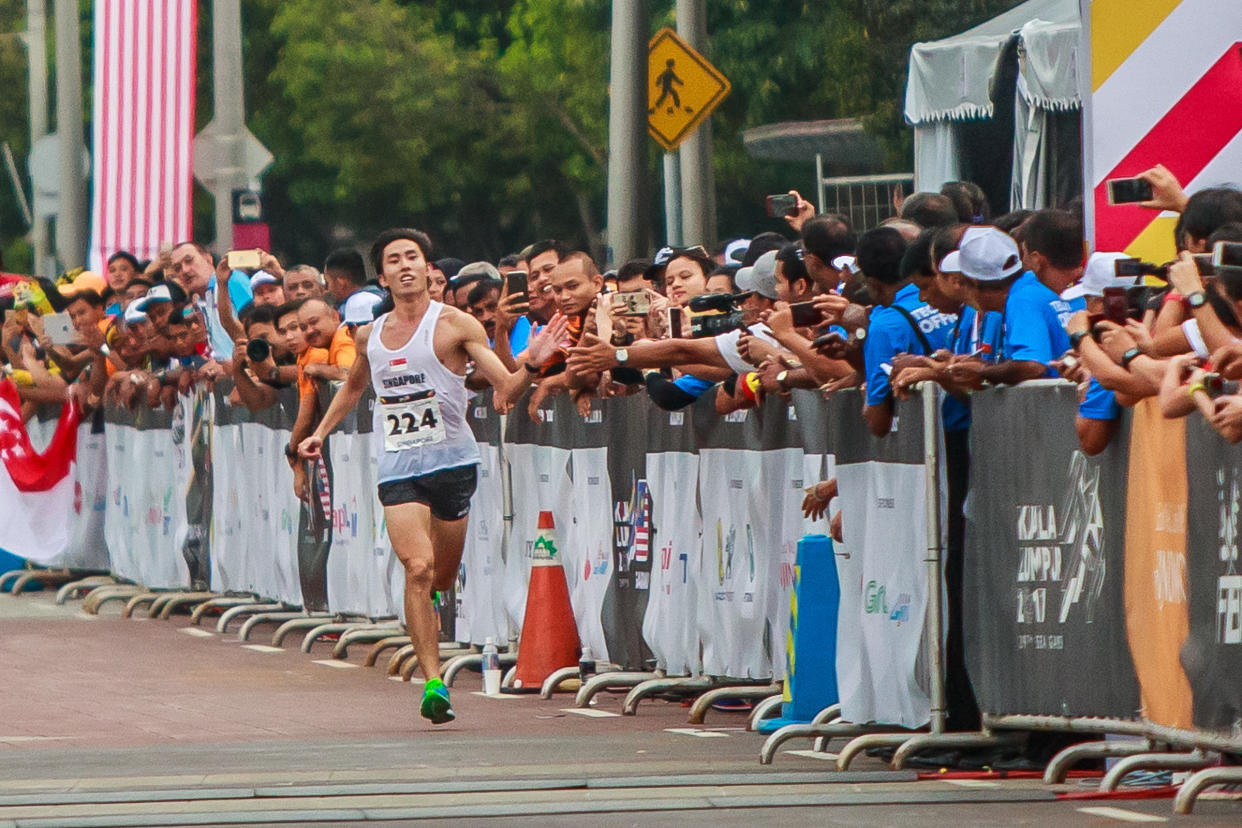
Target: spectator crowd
942	293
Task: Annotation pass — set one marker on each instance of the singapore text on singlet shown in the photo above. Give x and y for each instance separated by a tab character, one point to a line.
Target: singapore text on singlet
420	405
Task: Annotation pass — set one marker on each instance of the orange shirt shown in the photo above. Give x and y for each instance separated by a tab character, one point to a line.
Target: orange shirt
341	350
306	385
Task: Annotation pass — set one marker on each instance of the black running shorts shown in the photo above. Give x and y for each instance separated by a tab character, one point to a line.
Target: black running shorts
447	492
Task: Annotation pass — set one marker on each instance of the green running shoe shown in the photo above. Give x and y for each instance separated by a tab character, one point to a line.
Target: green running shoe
436	706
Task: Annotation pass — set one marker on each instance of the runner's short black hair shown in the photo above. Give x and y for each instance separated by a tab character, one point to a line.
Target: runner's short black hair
393	234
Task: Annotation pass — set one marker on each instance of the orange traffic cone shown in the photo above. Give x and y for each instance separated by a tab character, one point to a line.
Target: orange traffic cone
549	633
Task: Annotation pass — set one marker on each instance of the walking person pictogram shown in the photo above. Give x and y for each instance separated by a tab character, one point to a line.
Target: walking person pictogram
666	80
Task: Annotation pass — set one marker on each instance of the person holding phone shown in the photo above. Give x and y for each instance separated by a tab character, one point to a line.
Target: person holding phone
414	358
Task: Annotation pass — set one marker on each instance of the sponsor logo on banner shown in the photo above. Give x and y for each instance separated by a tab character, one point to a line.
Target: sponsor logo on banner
875	602
1061	556
631	527
1229	582
666	563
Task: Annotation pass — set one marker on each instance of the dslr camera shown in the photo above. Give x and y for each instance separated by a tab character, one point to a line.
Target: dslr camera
258	350
714	314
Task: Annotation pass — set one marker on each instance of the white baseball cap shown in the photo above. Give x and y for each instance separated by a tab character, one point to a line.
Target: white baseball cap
359	309
986	254
262	277
735	251
1100	273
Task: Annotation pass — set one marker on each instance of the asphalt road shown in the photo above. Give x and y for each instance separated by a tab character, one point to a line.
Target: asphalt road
108	721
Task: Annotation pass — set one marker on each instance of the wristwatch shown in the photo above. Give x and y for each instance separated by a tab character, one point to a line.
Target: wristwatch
781	379
291	452
1129	356
1076	338
1196	300
622	356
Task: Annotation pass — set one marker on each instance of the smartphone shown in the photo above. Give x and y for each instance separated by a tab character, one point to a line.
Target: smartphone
1116	305
632	302
59	329
780	206
243	260
515	282
1134	268
831	336
1128	190
805	314
1204	262
1227	254
672	318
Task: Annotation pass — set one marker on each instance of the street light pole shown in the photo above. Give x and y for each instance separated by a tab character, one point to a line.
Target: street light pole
71	207
627	132
698	180
35	39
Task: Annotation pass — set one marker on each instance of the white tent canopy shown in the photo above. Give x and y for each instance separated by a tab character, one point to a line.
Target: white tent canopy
950	80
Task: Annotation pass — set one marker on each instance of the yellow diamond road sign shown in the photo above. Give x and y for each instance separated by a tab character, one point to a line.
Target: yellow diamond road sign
682	88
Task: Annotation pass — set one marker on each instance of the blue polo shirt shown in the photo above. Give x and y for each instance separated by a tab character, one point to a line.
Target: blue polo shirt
1099	403
1034	322
970	334
890	333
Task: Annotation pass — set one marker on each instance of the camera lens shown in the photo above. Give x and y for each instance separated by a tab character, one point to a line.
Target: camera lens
258	350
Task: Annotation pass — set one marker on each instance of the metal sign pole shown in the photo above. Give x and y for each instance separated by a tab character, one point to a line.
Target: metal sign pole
672	200
71	215
627	131
935	577
698	181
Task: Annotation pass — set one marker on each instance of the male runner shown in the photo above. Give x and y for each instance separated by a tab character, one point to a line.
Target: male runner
415	358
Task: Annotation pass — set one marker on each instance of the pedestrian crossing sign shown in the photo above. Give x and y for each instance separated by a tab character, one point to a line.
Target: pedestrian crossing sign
682	88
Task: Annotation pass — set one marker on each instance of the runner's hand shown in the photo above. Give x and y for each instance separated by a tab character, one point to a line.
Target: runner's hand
310	448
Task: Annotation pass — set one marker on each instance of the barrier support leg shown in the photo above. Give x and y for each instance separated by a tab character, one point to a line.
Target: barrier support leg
162	598
364	636
765	709
1060	764
693	685
607	681
302	622
223	603
266	618
1194	760
136	601
72	588
47	577
698	710
411	663
11	575
950	741
184	600
859	744
398	658
553	682
383	644
1201	781
328	629
248	608
97	597
833	730
510	674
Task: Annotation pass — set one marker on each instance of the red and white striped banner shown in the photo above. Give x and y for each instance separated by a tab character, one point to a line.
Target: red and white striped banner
145	53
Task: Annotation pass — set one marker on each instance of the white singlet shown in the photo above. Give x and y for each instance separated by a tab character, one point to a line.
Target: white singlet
420	407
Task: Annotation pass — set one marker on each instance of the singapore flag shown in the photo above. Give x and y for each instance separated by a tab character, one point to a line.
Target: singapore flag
36	490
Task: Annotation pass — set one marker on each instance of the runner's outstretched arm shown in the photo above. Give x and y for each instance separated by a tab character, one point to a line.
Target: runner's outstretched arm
346	398
509	384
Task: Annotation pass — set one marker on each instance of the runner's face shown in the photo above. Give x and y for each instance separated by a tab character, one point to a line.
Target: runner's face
404	268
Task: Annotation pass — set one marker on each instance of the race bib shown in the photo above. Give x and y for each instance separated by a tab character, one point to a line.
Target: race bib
411	424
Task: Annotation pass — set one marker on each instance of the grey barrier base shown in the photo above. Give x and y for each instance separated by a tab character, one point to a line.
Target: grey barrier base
48	577
364	636
859	744
383	644
765	709
698	710
99	596
184	600
222	603
267	618
933	741
1184	803
73	588
1193	760
605	681
692	685
1059	767
251	608
302	622
827	731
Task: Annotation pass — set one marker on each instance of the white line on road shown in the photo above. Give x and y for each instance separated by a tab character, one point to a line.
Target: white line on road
973	783
813	754
197	633
1121	814
589	712
332	662
498	696
263	648
690	731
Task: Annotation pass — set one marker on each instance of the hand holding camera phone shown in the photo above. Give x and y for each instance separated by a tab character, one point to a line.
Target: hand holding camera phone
1128	190
805	314
781	206
243	260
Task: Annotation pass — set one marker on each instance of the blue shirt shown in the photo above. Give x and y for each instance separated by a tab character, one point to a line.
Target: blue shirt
239	291
971	335
1099	403
1035	318
692	385
519	336
890	333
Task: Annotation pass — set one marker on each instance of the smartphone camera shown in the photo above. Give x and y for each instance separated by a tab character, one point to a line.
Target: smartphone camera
781	206
1128	190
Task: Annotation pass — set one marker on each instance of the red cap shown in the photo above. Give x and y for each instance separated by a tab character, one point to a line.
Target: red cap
546	521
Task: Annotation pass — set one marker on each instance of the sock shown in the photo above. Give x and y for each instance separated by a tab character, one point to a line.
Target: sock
433	683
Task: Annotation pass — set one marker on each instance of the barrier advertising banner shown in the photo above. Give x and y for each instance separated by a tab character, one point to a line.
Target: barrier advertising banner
1045	562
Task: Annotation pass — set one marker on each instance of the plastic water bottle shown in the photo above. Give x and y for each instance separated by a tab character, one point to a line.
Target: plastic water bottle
491	667
586	664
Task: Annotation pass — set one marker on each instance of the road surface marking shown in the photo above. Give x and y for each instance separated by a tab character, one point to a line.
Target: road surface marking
197	633
690	731
499	696
1121	814
263	648
973	783
589	712
332	662
813	754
